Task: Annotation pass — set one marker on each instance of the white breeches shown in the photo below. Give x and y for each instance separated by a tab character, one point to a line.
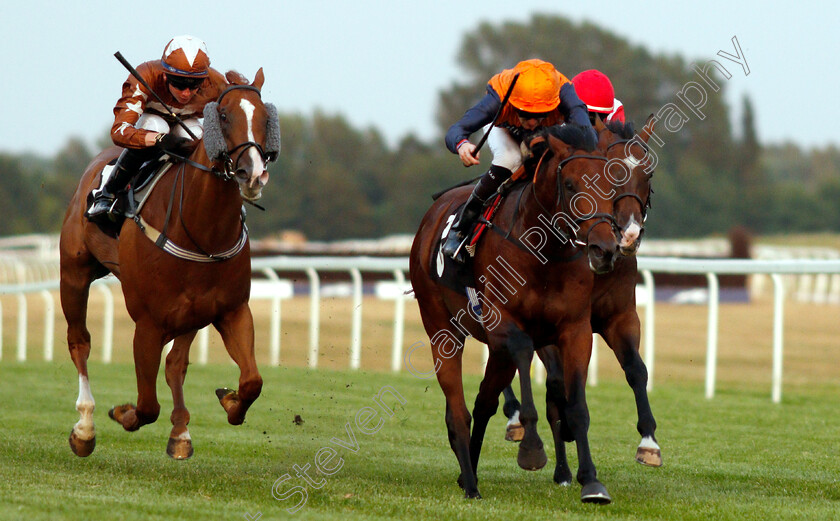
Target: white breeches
158	124
506	152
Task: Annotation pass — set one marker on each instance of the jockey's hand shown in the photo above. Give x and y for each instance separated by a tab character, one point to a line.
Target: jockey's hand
175	144
465	152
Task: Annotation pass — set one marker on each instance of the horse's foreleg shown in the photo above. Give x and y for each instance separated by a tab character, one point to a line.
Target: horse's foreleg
555	405
521	348
237	330
622	335
148	345
576	348
180	444
497	375
75	286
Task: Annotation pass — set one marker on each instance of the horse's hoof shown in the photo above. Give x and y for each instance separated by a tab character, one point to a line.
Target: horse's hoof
514	432
531	459
118	411
596	493
649	456
179	448
80	447
229	400
472	495
224	391
227	397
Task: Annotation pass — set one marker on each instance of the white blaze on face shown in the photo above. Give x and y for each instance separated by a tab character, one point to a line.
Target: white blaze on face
255	175
631	162
630	233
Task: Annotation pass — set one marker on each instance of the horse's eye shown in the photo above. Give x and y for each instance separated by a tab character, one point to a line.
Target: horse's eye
223	116
570	186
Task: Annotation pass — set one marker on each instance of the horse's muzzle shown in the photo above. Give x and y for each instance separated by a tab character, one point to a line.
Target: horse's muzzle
630	239
250	187
601	260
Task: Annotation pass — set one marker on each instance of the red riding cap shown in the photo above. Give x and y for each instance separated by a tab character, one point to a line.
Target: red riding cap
596	90
186	56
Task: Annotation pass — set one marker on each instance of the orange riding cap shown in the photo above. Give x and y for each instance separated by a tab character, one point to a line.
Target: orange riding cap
537	90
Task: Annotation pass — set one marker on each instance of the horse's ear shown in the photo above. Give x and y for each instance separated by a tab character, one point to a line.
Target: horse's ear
259	79
647	130
235	78
599	125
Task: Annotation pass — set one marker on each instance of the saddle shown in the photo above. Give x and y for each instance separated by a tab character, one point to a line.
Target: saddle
458	276
138	189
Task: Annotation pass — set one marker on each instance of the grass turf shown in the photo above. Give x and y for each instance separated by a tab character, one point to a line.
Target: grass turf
735	457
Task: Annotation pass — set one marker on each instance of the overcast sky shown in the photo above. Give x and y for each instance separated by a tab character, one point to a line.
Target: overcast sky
382	63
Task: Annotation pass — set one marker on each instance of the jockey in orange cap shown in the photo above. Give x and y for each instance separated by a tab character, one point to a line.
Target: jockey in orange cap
184	80
596	90
541	97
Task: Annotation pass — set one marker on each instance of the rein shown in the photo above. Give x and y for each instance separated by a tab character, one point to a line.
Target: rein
561	198
165	243
577	243
161	239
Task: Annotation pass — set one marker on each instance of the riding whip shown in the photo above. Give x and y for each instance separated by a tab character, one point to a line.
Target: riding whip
483	138
498	113
136	74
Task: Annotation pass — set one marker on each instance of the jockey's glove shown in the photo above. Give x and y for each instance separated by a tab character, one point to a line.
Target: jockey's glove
175	144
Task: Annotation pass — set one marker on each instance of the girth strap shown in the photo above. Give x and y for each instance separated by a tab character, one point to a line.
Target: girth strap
166	244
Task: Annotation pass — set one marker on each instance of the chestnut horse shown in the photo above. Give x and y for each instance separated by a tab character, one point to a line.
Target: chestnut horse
174	287
614	314
534	284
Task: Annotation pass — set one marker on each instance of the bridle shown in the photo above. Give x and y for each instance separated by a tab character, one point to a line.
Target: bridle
229	164
643	205
161	239
561	200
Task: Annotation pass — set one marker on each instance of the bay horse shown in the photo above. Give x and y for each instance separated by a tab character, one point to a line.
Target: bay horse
541	299
614	314
172	286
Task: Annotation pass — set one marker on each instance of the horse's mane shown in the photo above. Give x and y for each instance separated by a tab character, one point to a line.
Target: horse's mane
623	130
574	136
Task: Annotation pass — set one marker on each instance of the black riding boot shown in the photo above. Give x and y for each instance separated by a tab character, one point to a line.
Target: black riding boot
485	188
126	167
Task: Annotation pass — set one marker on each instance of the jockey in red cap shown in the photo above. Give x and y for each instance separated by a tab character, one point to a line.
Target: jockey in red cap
596	90
541	97
184	80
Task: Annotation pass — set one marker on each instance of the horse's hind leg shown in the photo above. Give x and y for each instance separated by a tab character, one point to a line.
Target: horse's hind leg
458	419
148	345
237	330
75	286
622	335
180	444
